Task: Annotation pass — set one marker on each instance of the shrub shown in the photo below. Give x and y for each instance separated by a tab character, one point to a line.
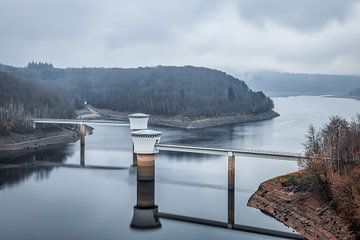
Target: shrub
333	157
14	118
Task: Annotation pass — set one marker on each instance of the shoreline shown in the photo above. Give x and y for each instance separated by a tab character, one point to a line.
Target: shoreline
17	145
12	147
180	122
305	212
343	96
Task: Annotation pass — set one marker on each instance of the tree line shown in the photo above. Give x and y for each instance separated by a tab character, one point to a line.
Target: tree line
22	99
189	91
334	165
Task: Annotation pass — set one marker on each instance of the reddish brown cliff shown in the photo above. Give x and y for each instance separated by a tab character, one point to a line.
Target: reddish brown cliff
303	211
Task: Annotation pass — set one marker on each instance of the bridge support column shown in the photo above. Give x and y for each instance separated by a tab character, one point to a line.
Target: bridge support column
231	189
134	158
82	134
138	121
144	146
146	167
145	211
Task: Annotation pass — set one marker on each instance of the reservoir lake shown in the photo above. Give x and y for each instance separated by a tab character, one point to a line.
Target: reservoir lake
46	202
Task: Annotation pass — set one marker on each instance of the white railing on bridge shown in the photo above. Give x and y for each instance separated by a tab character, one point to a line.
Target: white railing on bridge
80	121
227	151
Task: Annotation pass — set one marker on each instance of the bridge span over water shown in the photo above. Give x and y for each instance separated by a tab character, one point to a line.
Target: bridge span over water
80	121
146	144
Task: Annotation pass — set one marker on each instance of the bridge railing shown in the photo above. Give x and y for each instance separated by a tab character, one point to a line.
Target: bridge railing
80	121
227	151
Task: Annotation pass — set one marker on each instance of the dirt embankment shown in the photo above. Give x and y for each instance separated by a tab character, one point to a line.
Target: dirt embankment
181	122
303	211
19	144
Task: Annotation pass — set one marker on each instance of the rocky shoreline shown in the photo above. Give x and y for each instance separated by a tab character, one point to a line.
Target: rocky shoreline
181	122
305	212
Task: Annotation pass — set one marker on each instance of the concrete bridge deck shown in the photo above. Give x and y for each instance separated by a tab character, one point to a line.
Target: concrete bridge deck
81	121
226	151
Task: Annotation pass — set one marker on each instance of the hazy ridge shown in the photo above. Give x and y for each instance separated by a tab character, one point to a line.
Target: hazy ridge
192	92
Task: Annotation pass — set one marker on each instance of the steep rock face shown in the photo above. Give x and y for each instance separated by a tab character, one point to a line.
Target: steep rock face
304	212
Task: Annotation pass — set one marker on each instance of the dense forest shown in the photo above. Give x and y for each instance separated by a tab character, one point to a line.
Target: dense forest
192	92
21	99
277	83
333	169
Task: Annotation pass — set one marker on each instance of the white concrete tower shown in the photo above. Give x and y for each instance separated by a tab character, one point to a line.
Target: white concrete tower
144	147
138	121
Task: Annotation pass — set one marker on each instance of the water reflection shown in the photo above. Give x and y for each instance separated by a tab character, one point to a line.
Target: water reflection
198	136
145	213
82	155
77	203
186	157
21	168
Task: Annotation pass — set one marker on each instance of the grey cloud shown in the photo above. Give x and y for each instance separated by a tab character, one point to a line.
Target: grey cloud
152	21
284	35
39	19
300	14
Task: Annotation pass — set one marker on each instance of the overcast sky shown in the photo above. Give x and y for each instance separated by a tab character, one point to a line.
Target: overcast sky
285	35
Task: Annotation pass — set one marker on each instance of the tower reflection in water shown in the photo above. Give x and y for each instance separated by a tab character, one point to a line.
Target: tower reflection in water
82	155
145	211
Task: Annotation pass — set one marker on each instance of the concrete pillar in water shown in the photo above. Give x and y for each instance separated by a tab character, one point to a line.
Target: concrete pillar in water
138	121
231	189
146	167
82	134
134	158
145	211
144	146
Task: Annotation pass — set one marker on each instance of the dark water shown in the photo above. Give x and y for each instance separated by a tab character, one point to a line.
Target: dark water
52	202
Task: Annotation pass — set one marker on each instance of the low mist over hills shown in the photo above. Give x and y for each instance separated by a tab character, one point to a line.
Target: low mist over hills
278	84
192	92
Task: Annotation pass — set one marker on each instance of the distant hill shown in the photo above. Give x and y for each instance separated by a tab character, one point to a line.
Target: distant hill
37	98
193	92
355	92
277	83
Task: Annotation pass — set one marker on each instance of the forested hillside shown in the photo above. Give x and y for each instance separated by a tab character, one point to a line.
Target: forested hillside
37	97
21	99
189	91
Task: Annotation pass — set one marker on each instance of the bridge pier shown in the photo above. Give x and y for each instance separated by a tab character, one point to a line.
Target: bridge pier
145	215
145	211
82	134
138	121
144	146
231	189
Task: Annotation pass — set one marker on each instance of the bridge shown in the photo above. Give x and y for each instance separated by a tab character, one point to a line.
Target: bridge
80	121
238	152
146	144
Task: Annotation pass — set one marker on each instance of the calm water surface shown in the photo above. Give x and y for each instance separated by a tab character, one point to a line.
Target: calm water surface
74	203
